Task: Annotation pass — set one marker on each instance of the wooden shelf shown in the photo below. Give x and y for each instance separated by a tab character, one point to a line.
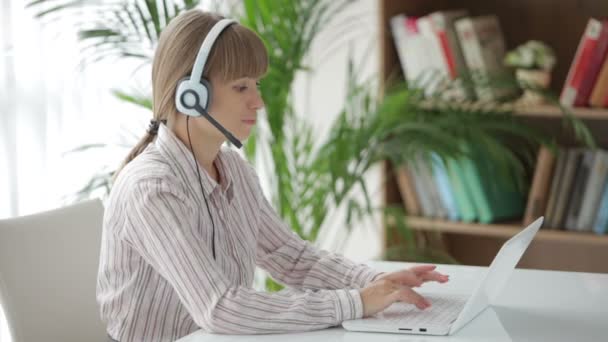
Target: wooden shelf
541	111
554	111
503	230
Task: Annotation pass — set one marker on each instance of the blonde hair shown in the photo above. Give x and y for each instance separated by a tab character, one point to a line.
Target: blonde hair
238	52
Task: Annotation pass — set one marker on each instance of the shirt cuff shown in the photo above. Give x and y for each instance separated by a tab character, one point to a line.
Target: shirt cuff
348	305
363	275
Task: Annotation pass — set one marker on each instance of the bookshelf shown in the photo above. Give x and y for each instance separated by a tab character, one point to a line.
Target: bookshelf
520	20
503	230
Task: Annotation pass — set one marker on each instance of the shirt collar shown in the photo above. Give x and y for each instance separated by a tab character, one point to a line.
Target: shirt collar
175	151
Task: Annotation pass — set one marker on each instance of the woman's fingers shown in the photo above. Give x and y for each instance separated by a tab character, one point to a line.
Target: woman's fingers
422	269
408	295
428	273
434	276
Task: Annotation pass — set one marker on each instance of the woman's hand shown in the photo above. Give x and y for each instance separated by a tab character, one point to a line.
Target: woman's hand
397	287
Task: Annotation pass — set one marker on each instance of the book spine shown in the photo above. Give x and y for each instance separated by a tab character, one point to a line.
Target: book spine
580	62
408	192
599	95
472	52
462	197
443	186
475	186
443	23
537	199
421	190
440	27
595	63
592	194
439	209
565	187
484	49
558	174
578	189
600	226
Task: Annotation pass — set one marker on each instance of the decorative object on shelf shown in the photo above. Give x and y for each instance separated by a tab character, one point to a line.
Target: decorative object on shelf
533	62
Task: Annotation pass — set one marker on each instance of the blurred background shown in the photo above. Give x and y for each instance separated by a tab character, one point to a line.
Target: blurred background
427	131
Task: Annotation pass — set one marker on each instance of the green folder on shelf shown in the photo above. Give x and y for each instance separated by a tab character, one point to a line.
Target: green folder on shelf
492	198
464	202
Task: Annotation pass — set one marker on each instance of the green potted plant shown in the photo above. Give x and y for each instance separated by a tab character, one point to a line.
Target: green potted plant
311	179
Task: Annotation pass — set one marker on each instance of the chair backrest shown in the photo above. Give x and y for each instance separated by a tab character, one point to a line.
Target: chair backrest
48	271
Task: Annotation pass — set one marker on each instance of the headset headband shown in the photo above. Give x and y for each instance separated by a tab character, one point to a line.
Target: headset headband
203	52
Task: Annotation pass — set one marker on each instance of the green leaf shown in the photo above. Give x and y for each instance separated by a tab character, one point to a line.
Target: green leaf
142	101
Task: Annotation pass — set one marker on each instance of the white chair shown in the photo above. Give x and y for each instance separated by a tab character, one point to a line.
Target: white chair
48	271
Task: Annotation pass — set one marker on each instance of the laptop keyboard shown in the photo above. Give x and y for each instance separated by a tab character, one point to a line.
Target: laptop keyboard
443	310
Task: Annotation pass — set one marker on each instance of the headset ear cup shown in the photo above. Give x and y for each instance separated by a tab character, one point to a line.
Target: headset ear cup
186	85
208	93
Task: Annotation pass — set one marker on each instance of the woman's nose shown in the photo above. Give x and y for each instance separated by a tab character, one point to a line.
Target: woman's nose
257	102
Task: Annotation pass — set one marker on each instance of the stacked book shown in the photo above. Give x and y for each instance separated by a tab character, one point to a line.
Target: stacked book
445	45
570	188
467	189
587	80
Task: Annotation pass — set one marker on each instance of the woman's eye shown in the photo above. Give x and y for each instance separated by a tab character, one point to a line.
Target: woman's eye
241	89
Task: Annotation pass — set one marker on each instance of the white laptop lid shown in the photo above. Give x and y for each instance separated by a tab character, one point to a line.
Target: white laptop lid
498	273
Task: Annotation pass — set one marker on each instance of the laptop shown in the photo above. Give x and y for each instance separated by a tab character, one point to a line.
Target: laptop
450	312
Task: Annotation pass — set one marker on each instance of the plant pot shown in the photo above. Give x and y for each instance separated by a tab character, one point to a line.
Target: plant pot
533	82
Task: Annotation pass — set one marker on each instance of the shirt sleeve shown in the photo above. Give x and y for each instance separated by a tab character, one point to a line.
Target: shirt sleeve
160	228
297	263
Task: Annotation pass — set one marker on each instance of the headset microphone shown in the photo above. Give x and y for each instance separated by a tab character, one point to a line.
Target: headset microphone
190	100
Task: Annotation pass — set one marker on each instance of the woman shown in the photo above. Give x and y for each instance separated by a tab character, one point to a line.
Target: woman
186	222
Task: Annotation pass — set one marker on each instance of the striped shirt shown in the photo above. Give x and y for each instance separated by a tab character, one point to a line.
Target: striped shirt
157	277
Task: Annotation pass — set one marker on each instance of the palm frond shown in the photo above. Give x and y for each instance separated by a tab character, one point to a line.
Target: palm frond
138	100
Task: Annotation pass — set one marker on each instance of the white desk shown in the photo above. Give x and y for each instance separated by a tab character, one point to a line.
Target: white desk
535	306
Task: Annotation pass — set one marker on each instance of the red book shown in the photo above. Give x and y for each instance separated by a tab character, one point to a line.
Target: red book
443	25
585	67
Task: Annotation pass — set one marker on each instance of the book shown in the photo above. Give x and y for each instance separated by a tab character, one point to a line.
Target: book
483	48
562	156
462	197
600	225
408	191
578	188
437	71
444	188
599	94
585	66
539	191
421	190
420	62
446	37
506	201
474	186
565	188
494	199
426	173
593	190
445	34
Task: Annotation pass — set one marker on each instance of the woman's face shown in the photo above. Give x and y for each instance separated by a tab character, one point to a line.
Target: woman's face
235	104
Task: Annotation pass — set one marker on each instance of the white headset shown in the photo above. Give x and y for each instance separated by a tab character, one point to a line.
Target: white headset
193	94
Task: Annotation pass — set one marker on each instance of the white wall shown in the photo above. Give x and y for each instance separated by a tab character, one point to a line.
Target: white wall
320	95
